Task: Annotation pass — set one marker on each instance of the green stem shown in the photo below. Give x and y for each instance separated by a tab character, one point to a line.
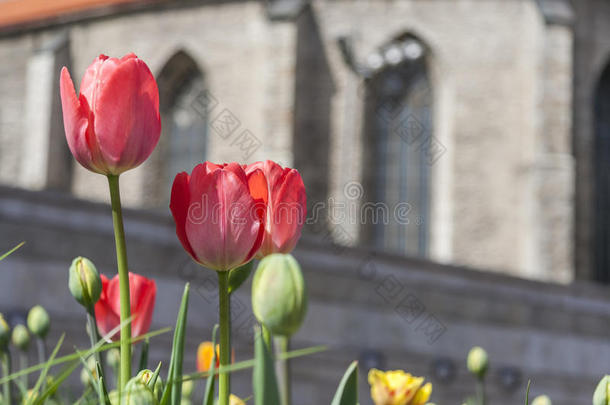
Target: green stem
23	364
94	338
121	256
282	344
481	391
6	371
224	382
42	350
266	337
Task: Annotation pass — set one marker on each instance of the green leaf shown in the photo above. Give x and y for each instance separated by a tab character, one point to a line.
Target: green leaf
45	370
153	379
173	388
208	397
239	275
527	392
144	356
57	381
11	251
99	347
347	393
264	381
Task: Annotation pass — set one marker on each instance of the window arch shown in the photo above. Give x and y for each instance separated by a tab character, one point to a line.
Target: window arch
601	173
183	99
398	126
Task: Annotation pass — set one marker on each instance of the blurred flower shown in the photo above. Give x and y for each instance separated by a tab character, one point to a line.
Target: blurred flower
145	376
235	400
84	282
398	388
21	337
5	333
87	372
601	396
477	361
187	388
142	299
279	296
113	358
38	321
205	353
283	192
218	221
113	125
542	400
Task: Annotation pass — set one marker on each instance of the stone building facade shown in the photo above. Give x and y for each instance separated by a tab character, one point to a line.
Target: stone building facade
434	137
290	81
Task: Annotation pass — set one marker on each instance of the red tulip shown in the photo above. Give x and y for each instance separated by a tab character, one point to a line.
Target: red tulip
142	299
113	125
218	221
283	192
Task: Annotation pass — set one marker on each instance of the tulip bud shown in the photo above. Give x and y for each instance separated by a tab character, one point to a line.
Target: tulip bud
187	388
601	396
86	373
279	296
84	282
39	321
5	333
145	376
542	400
113	358
21	337
477	361
138	392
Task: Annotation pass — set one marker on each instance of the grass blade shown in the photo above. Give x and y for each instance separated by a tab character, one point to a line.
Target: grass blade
208	397
347	393
45	370
11	251
144	356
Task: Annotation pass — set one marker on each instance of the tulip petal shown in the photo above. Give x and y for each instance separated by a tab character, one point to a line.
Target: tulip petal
76	122
179	206
289	212
222	227
126	109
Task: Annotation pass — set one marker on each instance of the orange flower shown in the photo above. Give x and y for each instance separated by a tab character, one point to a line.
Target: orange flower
205	353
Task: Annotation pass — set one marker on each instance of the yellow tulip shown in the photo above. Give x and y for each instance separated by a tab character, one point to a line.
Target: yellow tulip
398	388
234	400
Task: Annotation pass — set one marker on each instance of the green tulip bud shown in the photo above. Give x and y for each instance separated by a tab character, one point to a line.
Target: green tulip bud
138	392
145	376
113	358
39	321
84	282
86	373
21	337
601	396
477	361
279	296
542	400
186	401
187	388
5	333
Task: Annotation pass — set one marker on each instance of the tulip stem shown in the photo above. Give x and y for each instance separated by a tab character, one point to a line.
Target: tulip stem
121	256
23	364
282	344
481	391
6	371
94	337
224	382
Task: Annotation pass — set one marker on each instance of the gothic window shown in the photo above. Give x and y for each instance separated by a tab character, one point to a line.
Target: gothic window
399	131
184	102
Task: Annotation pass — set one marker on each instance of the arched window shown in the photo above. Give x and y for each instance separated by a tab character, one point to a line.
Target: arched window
184	104
399	135
601	153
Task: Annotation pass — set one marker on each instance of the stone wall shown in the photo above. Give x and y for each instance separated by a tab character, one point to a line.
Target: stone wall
405	313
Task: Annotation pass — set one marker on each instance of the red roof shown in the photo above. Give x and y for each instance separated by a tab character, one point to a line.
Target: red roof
16	12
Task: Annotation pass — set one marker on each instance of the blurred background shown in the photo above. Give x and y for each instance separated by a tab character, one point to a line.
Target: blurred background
456	155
